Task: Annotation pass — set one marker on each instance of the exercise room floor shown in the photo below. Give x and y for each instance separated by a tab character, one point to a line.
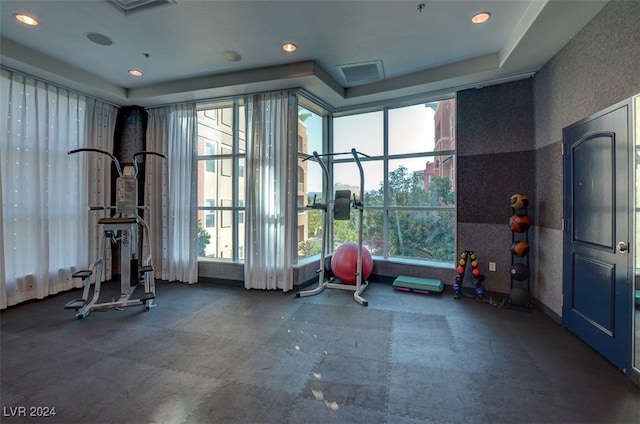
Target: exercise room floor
220	354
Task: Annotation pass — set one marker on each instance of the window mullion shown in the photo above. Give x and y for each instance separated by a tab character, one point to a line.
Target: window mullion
385	196
235	179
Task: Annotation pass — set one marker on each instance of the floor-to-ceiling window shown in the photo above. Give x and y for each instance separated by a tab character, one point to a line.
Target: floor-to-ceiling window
409	193
221	181
311	138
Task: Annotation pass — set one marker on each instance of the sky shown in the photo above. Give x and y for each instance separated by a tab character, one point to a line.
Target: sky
411	130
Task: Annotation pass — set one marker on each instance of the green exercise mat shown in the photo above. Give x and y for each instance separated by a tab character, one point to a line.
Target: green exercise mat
415	283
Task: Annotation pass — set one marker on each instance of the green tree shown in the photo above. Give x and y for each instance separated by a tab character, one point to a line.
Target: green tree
309	248
303	114
203	239
439	192
400	186
345	231
314	219
412	233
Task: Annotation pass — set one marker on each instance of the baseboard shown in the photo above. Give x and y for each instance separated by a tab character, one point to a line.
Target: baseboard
635	376
221	281
547	311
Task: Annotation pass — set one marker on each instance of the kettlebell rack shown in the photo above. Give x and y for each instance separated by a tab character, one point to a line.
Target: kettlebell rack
466	257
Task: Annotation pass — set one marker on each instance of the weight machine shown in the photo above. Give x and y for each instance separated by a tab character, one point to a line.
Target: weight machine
124	227
341	207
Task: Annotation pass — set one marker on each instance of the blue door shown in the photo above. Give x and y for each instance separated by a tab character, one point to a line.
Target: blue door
597	264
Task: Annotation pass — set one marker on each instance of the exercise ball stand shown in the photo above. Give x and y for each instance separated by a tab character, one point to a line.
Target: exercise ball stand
341	211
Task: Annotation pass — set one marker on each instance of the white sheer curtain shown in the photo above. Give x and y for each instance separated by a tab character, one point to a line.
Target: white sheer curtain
272	133
170	192
101	122
45	225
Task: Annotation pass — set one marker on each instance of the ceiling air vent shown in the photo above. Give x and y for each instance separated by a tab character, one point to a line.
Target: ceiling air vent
130	6
358	73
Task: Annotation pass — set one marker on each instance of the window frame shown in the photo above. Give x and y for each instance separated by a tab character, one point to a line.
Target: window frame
387	208
325	115
229	163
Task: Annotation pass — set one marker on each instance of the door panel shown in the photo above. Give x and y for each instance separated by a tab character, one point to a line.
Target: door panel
593	195
596	274
595	301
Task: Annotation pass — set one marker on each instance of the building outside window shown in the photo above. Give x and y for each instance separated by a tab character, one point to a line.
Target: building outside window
210	213
221	181
210	149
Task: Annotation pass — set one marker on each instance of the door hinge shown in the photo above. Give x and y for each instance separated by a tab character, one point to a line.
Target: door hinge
564	225
564	149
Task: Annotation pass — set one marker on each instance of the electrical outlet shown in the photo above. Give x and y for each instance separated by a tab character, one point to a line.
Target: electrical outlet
492	266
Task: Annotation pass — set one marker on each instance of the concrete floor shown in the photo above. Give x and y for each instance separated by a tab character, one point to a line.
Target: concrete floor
218	354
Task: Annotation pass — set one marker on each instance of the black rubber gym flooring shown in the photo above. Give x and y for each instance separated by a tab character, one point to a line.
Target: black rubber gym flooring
221	354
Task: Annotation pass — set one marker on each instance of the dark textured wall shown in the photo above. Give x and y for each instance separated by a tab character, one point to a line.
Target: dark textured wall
130	134
495	133
548	189
486	182
495	119
599	67
129	137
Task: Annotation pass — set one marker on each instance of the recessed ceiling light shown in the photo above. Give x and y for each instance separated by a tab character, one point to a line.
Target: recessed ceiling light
480	18
135	72
26	19
289	47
